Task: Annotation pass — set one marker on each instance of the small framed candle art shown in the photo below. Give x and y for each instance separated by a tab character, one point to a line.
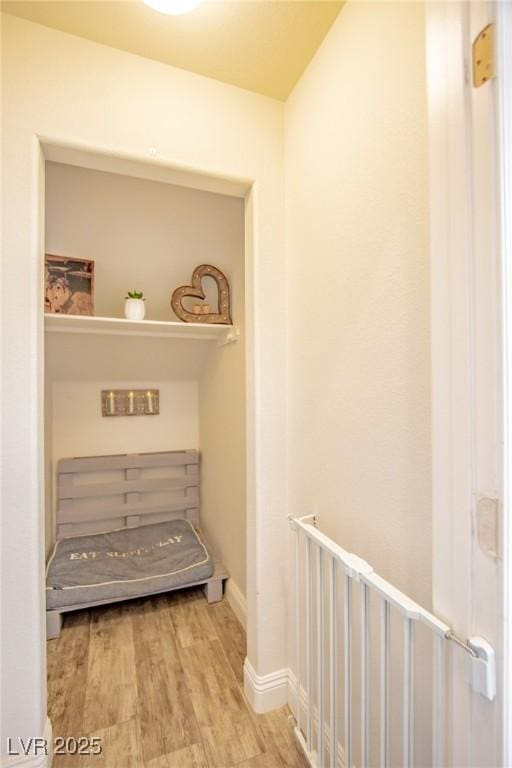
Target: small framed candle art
130	402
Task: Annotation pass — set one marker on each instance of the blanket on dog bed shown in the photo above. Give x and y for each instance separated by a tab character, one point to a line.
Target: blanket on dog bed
126	563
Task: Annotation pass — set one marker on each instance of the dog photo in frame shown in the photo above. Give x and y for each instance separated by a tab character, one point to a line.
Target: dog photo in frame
69	285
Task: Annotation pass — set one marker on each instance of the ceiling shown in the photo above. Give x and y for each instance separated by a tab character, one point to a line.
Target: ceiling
260	45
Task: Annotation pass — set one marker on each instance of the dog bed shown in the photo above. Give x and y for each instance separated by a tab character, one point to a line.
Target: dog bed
126	563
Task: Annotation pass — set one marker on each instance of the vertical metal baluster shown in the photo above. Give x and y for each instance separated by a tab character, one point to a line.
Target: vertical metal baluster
408	725
333	600
309	645
384	683
365	677
438	703
347	652
297	625
320	653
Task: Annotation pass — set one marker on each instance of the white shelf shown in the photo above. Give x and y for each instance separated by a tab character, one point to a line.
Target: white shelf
117	326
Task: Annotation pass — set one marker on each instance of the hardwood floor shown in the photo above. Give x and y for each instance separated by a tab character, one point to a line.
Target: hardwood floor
159	680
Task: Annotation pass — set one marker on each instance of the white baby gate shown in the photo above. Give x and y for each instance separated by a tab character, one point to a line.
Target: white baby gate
320	567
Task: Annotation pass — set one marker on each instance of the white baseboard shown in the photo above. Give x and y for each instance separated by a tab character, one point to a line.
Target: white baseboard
265	692
237	601
40	760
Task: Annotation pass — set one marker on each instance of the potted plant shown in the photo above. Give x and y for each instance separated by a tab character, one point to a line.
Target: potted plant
134	306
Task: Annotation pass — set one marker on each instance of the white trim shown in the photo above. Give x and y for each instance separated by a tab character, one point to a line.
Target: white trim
265	692
504	85
450	244
156	329
466	379
451	348
32	761
237	601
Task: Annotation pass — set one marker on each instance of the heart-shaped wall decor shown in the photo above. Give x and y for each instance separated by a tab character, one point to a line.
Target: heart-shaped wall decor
222	316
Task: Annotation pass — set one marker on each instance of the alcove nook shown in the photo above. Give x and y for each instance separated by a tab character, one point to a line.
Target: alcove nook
146	232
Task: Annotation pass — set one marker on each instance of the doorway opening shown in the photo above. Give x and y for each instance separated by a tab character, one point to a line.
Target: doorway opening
147	228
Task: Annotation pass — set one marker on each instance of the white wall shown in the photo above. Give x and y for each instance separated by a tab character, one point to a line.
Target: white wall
142	234
79	429
359	349
222	437
73	92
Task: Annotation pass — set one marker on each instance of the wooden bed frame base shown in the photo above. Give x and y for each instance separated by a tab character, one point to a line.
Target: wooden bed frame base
98	504
213	589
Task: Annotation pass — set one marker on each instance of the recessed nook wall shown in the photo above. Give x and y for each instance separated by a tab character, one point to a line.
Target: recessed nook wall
149	236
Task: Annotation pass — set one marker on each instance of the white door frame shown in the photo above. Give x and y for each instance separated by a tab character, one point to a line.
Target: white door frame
466	327
504	87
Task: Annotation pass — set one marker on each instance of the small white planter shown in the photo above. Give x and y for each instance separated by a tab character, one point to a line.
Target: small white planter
134	309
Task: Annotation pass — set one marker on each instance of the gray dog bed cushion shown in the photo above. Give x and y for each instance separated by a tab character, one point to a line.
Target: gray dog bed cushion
126	563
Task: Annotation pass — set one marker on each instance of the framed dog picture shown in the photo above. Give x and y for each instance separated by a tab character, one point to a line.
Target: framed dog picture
69	285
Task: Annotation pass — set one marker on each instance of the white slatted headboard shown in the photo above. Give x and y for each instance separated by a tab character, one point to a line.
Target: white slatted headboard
101	493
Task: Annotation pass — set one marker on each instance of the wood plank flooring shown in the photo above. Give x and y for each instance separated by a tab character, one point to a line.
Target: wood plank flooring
160	681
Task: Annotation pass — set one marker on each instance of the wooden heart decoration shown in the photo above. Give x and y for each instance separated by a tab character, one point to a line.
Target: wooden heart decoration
223	316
